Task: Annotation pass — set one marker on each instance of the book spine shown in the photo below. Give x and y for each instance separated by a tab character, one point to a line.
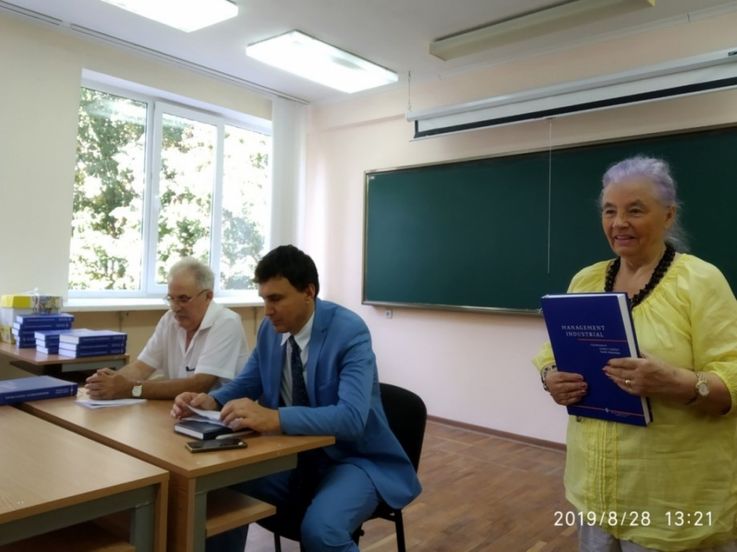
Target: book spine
190	432
47	318
91	347
43	325
90	339
74	353
38	394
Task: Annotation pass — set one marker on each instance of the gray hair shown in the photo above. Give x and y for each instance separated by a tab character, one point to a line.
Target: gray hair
203	276
656	171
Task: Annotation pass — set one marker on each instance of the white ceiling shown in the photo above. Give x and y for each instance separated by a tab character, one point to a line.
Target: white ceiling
392	33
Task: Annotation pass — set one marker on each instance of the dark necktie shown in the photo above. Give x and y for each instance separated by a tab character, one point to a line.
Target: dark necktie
299	391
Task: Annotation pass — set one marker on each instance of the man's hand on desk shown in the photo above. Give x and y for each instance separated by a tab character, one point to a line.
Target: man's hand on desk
108	384
239	414
198	400
247	414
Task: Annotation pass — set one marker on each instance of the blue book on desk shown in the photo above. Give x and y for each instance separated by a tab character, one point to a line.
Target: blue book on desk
45	321
35	388
95	349
84	336
586	330
201	429
49	336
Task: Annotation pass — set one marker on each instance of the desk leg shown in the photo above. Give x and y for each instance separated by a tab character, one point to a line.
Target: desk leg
147	521
142	527
181	519
200	514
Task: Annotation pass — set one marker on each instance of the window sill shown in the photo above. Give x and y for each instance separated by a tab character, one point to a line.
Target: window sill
76	304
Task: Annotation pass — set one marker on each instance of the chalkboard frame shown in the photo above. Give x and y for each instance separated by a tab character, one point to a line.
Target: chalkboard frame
617	141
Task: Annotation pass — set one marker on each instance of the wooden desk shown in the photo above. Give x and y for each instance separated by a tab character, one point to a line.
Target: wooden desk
56	365
51	478
146	431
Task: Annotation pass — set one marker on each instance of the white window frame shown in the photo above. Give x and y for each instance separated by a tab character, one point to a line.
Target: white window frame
158	103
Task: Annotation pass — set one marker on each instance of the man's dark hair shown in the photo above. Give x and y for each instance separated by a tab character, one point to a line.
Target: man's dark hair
288	262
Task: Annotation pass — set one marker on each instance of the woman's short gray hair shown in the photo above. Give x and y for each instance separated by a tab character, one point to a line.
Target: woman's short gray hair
656	171
203	276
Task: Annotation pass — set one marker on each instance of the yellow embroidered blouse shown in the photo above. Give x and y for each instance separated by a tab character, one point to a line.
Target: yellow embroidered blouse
672	485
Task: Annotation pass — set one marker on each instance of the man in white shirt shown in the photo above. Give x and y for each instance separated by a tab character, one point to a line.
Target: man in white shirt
196	346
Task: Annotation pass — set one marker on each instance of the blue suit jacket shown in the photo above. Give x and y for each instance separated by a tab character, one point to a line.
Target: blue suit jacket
343	388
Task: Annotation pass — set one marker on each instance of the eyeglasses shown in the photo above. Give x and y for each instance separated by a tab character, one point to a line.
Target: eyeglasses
182	299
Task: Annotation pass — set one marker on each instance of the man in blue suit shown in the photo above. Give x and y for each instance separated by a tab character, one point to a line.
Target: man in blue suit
313	372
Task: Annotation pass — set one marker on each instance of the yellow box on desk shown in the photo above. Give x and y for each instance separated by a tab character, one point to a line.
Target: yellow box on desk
12	305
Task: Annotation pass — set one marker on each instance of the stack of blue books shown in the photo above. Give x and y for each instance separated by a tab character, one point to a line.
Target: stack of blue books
35	388
26	325
47	341
84	343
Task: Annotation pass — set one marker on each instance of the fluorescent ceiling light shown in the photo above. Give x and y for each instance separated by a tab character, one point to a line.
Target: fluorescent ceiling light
317	61
186	15
558	17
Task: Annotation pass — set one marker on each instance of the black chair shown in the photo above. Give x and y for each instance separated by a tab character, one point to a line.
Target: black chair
407	416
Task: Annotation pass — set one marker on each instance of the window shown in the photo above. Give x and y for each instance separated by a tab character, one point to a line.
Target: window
156	181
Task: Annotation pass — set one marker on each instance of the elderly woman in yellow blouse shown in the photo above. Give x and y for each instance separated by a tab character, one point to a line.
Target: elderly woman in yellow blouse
671	486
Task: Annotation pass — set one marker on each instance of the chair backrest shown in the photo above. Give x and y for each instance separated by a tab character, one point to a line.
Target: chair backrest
407	416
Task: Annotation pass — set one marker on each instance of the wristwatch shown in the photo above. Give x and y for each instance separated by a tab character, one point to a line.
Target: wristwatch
701	389
137	390
544	374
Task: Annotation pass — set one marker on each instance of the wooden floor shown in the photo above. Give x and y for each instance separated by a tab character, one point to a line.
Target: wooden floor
480	493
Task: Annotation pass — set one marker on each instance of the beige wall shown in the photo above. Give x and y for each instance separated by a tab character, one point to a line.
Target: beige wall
476	368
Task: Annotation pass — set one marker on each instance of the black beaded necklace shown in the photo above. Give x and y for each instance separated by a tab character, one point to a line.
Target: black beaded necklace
658	273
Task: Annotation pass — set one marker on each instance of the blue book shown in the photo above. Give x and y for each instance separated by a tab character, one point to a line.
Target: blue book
200	429
42	325
74	351
85	336
586	330
23	334
51	319
35	388
48	336
47	343
50	350
25	344
104	351
99	345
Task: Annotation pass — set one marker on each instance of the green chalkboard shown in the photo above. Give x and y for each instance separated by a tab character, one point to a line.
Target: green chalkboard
499	233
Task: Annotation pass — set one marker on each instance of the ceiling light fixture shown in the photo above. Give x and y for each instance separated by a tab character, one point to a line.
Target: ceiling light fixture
186	15
558	17
317	61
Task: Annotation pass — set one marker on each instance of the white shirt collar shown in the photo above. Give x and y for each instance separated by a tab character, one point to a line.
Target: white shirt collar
210	314
207	321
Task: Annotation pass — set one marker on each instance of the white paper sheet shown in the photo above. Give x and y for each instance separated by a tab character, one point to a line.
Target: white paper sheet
98	403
